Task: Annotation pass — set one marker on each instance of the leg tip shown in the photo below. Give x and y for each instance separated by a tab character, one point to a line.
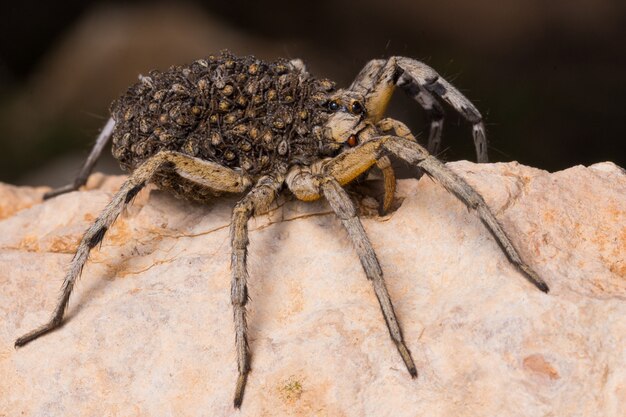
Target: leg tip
534	278
239	389
38	332
408	360
543	287
58	191
21	341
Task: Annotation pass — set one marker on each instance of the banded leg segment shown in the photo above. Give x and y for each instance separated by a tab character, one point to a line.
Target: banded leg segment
434	111
304	184
85	171
378	79
257	200
427	79
95	233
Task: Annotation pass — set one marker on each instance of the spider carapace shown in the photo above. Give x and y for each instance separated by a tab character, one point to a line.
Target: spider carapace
228	124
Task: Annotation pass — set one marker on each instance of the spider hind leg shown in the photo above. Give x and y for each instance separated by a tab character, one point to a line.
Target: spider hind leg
205	173
90	162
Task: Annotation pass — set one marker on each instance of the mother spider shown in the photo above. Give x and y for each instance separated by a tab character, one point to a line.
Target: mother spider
228	124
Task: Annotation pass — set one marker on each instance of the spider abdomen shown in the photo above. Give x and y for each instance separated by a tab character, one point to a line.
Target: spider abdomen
240	112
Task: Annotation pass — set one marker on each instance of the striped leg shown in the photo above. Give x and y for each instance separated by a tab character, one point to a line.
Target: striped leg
434	111
353	162
426	79
378	79
389	125
415	154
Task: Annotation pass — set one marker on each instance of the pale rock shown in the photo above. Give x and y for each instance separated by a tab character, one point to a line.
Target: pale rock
149	329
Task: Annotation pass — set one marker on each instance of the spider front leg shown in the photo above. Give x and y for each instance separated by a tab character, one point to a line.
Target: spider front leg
378	79
415	154
434	113
376	83
83	175
202	172
351	163
257	200
307	186
418	76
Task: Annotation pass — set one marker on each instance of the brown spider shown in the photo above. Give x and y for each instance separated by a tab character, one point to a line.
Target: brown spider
228	124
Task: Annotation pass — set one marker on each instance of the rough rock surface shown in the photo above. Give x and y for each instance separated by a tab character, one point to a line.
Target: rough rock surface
149	329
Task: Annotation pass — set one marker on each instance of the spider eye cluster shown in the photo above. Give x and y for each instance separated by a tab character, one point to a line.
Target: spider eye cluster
333	105
355	107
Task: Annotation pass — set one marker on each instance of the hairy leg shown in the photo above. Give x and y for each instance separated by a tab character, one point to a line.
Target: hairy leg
353	162
96	151
257	200
434	111
223	179
428	80
415	154
378	79
304	184
398	128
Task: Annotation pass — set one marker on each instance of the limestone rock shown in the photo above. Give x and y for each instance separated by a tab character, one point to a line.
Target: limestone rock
149	329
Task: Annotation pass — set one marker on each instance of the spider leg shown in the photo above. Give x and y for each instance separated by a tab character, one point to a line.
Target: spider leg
434	111
257	200
416	154
304	184
426	79
217	177
378	79
298	64
96	151
353	162
384	163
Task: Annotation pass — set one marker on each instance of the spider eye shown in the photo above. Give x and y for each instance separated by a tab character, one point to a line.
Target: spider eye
356	108
333	106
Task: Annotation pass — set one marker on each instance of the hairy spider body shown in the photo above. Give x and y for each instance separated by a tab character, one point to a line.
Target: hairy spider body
227	124
239	112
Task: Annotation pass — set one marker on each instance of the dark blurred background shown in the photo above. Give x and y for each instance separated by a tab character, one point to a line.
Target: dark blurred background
549	77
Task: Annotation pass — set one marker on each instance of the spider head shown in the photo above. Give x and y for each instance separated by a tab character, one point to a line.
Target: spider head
348	118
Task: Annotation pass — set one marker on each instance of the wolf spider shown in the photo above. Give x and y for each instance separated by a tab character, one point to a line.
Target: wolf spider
228	124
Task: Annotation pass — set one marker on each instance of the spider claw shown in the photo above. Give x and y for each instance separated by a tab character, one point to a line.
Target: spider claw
58	191
239	389
534	279
542	286
408	360
21	341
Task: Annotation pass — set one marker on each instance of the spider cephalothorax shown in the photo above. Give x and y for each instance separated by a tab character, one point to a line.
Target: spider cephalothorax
228	124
